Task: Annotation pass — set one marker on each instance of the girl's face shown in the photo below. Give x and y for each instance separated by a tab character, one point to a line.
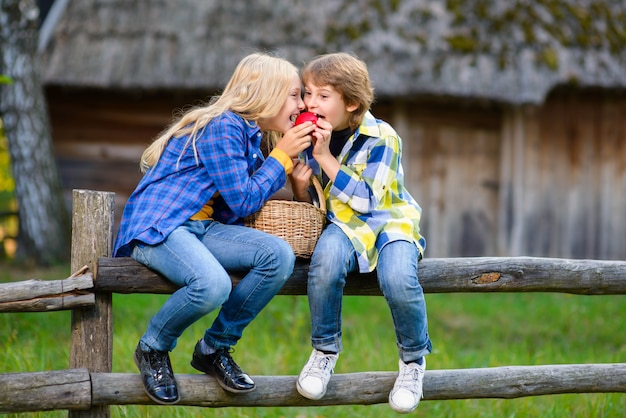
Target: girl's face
292	107
327	103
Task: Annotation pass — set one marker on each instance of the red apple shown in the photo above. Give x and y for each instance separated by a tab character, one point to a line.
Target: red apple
306	117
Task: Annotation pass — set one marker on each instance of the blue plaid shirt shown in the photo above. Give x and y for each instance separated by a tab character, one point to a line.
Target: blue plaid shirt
229	161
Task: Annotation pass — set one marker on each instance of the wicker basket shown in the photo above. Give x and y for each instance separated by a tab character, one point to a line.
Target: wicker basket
298	223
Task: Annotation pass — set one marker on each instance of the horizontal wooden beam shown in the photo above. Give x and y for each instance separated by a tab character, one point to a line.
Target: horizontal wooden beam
437	275
45	391
63	302
47	295
368	388
69	389
29	289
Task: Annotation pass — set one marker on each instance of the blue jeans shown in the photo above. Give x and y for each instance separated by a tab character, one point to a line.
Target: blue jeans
197	256
333	259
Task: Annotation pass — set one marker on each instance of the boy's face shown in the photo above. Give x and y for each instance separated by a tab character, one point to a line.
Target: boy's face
327	103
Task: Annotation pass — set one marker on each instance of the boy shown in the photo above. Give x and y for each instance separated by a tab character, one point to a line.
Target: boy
373	224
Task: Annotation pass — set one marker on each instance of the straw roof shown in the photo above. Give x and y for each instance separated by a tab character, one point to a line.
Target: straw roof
512	51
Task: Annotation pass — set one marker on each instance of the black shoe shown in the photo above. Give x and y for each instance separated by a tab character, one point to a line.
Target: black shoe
222	366
157	375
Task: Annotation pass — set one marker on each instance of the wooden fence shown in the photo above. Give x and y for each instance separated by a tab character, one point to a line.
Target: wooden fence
88	388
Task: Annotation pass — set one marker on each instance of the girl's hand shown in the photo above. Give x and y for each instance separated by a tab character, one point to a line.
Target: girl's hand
296	139
300	179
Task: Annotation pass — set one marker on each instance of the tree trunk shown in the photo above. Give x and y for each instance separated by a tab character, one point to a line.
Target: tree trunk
44	228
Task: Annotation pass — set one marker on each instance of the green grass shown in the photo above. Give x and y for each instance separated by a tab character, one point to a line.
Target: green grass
467	330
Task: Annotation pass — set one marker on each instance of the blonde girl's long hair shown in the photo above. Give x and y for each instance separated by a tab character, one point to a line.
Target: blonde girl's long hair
257	90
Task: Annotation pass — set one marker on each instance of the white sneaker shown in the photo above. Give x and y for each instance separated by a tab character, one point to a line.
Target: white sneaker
315	374
408	389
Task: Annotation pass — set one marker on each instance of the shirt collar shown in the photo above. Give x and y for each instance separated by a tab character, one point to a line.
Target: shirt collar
369	126
251	127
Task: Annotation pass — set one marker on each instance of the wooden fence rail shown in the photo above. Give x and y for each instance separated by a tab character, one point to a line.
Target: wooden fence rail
79	389
437	275
88	387
50	295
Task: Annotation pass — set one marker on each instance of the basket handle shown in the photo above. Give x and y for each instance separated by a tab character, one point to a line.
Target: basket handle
320	192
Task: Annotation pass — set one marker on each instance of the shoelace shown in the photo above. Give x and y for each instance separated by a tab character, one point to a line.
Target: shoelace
229	364
320	366
409	376
158	363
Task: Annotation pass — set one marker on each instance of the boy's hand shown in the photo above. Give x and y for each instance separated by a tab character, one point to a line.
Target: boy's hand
321	150
323	131
321	140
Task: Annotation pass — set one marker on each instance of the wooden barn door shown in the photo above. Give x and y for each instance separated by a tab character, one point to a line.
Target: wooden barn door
564	177
451	159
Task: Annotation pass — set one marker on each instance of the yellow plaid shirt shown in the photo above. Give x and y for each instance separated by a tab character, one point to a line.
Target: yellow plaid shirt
368	200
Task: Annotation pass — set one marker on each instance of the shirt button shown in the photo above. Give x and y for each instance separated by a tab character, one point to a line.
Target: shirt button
253	155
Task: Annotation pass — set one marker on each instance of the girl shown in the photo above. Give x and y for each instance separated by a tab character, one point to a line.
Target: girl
203	174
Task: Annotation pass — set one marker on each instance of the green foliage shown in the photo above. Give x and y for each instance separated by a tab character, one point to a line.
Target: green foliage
5	80
468	330
549	57
462	43
7	185
8	204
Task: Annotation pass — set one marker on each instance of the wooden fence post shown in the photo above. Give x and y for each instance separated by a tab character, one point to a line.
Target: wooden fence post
92	329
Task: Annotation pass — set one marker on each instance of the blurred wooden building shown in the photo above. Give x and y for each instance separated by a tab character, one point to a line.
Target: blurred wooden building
512	113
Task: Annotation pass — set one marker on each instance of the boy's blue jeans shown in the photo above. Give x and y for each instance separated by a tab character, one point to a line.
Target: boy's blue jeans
334	257
196	256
